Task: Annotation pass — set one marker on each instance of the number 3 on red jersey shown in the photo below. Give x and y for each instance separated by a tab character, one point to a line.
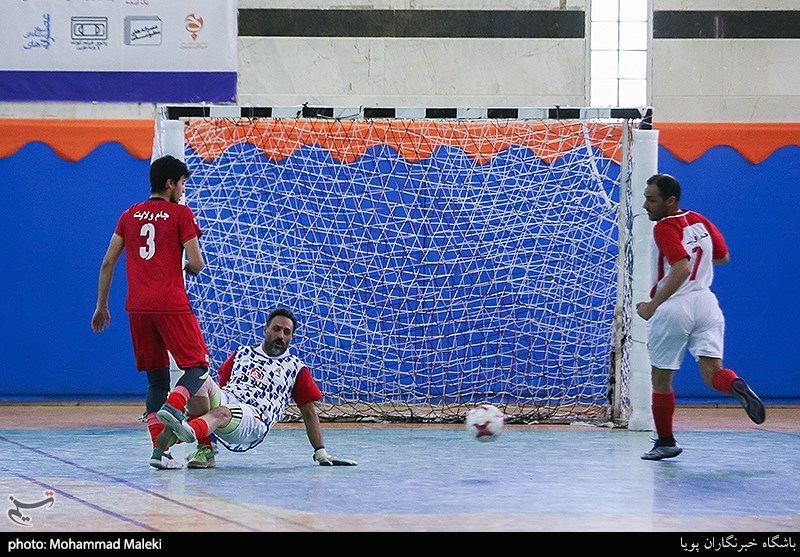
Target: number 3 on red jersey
148	250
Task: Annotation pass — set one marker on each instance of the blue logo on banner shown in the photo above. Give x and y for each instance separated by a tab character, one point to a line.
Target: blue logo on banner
40	37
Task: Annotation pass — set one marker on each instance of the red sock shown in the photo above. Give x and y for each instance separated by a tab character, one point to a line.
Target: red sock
178	397
663	409
154	426
200	428
201	440
721	380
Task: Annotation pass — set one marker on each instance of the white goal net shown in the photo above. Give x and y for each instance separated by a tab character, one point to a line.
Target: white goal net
433	264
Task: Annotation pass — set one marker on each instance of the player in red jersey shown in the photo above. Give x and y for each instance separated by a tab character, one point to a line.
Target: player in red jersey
683	313
154	235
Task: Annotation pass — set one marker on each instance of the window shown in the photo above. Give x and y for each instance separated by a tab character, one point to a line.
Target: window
618	41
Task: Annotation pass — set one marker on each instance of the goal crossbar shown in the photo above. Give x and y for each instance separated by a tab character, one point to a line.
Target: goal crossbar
643	114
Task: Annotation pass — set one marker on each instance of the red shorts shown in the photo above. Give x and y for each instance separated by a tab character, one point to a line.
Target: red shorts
154	334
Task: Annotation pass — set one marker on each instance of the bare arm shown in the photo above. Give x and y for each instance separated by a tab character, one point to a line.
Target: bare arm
102	317
195	262
678	274
722	260
313	428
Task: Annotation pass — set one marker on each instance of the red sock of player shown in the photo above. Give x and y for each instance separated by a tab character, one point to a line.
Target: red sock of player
201	440
722	380
154	427
200	427
663	409
178	397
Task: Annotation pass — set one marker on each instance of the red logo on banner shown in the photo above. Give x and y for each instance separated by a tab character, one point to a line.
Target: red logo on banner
194	24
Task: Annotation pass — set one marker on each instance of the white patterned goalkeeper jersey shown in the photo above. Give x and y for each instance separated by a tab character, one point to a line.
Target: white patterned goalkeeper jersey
267	383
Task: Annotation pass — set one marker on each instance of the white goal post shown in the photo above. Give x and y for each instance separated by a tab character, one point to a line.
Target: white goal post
435	258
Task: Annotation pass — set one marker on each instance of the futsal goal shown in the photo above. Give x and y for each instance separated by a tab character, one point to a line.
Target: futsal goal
435	259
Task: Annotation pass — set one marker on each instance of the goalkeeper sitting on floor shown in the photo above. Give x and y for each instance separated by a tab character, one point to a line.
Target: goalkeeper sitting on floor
257	383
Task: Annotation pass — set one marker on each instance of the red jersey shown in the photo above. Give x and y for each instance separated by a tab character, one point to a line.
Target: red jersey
682	235
154	232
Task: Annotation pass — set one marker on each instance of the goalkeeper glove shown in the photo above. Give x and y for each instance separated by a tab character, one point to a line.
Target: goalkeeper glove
324	459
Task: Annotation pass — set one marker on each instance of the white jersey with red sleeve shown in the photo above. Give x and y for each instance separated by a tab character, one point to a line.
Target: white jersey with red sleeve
686	234
268	383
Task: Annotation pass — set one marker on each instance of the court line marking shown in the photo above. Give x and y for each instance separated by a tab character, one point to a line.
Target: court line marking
82	501
128	484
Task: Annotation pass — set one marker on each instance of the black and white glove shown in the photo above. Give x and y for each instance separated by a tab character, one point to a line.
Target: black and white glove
324	459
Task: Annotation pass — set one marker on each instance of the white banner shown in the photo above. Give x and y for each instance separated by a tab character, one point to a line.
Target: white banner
73	40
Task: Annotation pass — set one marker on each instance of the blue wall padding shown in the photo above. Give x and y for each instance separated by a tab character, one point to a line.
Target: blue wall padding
57	219
755	207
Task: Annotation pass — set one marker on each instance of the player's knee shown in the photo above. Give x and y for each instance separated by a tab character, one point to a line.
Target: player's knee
221	416
193	378
662	380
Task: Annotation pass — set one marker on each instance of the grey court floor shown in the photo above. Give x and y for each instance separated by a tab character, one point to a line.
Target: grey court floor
409	479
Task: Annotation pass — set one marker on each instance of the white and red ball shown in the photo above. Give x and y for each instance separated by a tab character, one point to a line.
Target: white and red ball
485	422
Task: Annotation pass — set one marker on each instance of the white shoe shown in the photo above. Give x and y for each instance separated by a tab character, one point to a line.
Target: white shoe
660	452
161	460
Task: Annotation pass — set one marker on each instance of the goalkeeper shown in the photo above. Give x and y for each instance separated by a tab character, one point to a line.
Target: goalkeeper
257	383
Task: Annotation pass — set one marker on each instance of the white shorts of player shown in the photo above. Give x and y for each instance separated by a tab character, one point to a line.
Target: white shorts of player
246	429
692	321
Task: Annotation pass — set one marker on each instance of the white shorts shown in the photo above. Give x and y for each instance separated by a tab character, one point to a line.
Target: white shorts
246	429
690	321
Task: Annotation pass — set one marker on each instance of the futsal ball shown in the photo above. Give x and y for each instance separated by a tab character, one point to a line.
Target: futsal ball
485	422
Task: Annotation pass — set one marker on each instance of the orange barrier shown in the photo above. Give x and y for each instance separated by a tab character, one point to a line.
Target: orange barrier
73	139
754	141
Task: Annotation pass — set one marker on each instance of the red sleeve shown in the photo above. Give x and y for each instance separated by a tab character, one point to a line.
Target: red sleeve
669	239
120	228
718	240
225	371
188	225
305	388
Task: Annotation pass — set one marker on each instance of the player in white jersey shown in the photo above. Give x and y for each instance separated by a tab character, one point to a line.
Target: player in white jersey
683	313
257	383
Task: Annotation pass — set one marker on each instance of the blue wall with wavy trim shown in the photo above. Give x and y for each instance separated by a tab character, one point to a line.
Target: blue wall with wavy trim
755	207
57	219
58	216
